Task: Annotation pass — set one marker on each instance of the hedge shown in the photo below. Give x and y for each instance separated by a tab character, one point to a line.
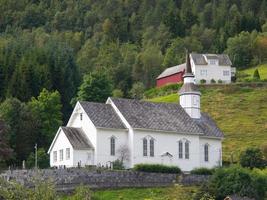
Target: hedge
157	168
202	171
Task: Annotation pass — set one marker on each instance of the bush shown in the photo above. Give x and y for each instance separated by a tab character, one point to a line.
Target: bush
252	158
256	75
203	81
43	159
117	93
220	81
82	192
137	90
203	171
239	181
118	165
212	81
157	168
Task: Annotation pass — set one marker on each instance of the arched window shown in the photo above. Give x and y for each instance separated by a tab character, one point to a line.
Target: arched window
180	149
112	146
144	147
186	146
206	153
151	145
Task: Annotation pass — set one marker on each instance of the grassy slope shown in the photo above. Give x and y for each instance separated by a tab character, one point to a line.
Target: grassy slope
169	193
241	112
262	71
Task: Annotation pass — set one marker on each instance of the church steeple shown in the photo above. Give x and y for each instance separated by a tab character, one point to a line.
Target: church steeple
189	93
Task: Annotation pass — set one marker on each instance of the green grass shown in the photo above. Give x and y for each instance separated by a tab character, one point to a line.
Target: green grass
167	193
240	112
262	71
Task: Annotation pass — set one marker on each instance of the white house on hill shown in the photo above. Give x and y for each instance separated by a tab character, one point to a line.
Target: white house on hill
140	132
217	67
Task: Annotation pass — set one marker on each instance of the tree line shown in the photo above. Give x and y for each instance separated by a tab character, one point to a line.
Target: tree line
119	47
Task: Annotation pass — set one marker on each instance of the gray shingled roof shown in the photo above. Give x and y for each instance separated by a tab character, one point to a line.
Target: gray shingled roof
165	117
172	70
208	125
77	138
199	59
102	115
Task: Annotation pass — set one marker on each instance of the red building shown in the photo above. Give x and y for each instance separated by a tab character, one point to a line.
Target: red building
171	75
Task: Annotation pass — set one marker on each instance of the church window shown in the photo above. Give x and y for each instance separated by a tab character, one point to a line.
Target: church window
67	153
180	149
61	155
81	116
206	153
55	156
186	146
144	147
112	146
151	147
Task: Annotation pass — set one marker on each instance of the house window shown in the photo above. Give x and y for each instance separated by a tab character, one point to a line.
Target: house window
186	146
81	116
61	155
203	72
226	73
151	147
55	156
212	62
112	146
206	152
67	153
180	149
144	147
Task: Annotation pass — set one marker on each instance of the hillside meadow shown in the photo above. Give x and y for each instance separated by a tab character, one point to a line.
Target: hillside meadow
240	110
250	71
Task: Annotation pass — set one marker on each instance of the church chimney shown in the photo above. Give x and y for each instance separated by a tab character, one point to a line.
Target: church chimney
189	93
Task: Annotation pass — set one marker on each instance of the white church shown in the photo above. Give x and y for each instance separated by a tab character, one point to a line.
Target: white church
140	132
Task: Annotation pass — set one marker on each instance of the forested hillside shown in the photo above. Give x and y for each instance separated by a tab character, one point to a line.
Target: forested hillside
53	44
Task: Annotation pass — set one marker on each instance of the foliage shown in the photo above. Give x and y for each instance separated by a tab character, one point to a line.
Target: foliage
42	159
256	75
137	90
117	165
203	81
164	90
220	81
264	150
5	150
82	192
96	87
212	81
245	102
117	93
157	168
202	171
252	158
237	180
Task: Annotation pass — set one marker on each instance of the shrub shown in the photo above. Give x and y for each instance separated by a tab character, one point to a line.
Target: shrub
82	192
220	81
118	165
43	159
203	81
252	158
212	81
256	75
237	180
137	90
157	168
202	171
117	93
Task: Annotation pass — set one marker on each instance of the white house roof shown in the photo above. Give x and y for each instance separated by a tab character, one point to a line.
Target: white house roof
172	70
200	59
102	115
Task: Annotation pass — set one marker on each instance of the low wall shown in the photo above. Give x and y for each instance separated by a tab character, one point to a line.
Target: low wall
66	180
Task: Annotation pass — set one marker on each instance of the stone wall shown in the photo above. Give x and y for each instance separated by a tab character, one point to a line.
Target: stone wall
66	180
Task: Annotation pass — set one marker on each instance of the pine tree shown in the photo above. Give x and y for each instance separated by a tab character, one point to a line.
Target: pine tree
256	75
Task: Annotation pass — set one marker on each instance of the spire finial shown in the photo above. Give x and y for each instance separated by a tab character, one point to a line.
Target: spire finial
188	64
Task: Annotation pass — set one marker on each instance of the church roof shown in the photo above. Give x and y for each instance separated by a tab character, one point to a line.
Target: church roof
102	115
77	138
172	70
188	88
164	117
